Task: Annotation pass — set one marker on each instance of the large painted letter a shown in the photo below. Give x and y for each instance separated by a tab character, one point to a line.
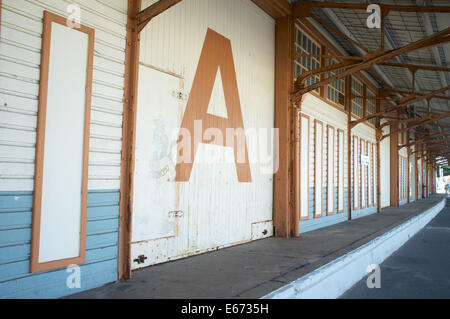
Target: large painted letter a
216	53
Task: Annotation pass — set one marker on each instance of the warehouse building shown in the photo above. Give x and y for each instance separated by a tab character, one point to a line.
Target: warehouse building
134	132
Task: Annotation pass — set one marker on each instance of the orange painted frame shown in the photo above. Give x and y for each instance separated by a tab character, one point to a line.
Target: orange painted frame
328	165
35	266
315	168
362	171
307	164
355	169
339	131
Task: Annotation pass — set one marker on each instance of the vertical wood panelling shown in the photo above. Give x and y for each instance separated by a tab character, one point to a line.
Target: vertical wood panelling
21	33
101	248
20	62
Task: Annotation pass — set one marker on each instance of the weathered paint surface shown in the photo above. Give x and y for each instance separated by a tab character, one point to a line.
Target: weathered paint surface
20	58
19	86
15	234
213	207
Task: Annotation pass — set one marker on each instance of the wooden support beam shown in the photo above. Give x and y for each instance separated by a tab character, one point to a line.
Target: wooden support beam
416	66
146	15
275	8
406	101
282	206
435	118
403	92
128	140
424	142
394	195
416	176
324	69
384	56
416	119
378	134
347	105
303	8
328	56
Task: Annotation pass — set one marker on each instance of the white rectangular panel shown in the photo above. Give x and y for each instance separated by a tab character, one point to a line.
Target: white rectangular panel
375	180
63	145
355	173
363	176
318	163
304	168
330	170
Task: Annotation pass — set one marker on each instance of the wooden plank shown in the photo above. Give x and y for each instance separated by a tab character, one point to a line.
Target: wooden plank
277	9
394	195
128	140
144	17
283	109
303	8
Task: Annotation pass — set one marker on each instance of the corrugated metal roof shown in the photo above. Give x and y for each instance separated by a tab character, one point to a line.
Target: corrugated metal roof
402	28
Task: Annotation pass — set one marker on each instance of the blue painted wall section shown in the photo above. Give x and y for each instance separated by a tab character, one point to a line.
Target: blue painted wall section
362	212
403	202
15	233
324	221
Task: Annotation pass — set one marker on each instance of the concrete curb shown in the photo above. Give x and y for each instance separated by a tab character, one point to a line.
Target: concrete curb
333	279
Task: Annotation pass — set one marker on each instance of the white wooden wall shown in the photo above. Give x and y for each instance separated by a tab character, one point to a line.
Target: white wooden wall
19	86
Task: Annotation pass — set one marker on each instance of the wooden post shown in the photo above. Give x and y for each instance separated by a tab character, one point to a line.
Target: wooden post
379	133
416	176
128	139
409	177
282	206
348	108
394	163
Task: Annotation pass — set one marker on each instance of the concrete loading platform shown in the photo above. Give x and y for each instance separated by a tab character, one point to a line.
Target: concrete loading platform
320	264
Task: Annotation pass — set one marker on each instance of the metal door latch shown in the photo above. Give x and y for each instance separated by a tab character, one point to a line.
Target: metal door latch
179	95
141	259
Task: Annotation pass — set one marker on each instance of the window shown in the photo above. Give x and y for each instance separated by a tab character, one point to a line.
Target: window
357	102
371	106
305	45
336	89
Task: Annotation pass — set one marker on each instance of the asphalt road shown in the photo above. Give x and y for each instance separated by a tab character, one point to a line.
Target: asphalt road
419	269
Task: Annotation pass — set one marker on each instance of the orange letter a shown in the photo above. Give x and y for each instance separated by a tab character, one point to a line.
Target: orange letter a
216	53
